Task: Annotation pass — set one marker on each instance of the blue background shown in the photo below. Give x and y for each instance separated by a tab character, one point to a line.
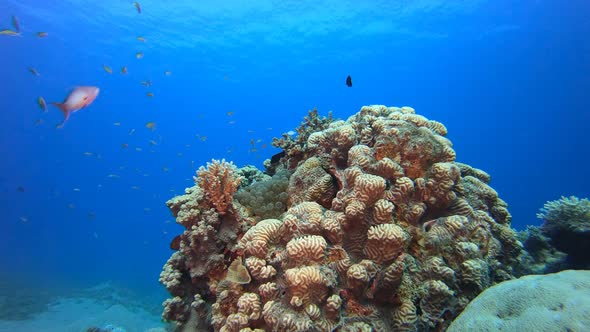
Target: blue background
510	80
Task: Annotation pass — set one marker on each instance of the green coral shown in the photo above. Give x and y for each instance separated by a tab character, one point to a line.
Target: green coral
268	198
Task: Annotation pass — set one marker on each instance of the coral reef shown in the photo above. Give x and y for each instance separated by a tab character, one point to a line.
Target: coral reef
563	240
381	230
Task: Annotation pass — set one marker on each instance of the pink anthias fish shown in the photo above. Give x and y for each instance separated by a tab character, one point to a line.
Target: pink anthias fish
78	98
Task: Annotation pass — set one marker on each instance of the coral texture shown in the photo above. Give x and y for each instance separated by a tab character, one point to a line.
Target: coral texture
382	231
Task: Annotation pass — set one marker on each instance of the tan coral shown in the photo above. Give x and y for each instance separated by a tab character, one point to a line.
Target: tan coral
269	291
308	249
382	211
303	219
385	242
249	304
219	182
306	285
311	183
259	269
257	240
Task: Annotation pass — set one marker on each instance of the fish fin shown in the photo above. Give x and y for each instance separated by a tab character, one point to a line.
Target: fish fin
64	110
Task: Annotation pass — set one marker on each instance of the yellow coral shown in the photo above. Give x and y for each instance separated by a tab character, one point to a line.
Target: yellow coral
219	182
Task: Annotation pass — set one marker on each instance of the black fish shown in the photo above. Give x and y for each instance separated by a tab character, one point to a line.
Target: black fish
175	243
275	158
349	81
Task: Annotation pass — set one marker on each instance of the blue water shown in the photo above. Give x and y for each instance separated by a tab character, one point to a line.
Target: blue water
510	80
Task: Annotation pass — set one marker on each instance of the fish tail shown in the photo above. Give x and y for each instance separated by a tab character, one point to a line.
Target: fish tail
62	107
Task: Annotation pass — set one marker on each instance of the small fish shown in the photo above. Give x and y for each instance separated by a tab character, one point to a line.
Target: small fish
152	142
20	189
113	176
9	32
131	131
175	243
124	145
165	169
167	73
139	55
107	69
232	122
349	81
230	113
42	104
150	94
91	215
124	70
291	133
88	154
135	187
179	154
137	6
79	98
138	149
118	124
77	189
15	24
151	125
72	206
146	83
38	122
141	39
23	220
42	34
34	71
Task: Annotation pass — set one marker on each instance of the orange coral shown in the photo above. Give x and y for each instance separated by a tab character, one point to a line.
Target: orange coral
219	181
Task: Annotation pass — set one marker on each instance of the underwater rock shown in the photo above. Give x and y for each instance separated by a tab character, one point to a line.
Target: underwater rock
381	230
563	240
553	302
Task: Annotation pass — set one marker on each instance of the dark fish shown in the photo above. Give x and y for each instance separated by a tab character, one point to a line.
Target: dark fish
15	24
21	189
349	81
275	159
175	244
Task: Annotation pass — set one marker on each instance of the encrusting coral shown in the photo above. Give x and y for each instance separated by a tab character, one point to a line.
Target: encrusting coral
381	231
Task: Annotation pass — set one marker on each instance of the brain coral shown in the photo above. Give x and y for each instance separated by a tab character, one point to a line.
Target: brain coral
382	231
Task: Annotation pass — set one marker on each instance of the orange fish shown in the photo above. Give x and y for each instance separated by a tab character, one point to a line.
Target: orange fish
42	34
79	98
